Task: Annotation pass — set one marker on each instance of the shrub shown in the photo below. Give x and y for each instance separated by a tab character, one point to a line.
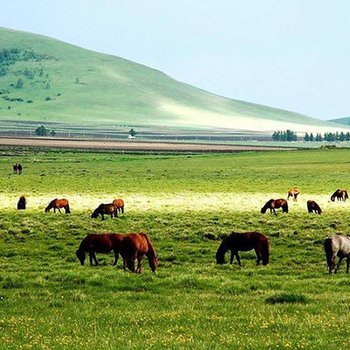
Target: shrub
286	298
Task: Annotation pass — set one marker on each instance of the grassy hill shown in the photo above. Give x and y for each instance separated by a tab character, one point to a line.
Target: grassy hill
344	121
45	80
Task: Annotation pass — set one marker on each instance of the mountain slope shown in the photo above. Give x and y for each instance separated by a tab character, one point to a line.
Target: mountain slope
343	121
43	79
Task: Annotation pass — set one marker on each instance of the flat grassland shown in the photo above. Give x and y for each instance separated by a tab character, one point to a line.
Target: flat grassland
186	203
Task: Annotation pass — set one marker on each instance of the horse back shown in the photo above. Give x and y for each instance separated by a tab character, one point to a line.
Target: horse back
100	243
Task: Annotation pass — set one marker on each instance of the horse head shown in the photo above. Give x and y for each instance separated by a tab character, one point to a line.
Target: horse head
94	215
153	262
81	256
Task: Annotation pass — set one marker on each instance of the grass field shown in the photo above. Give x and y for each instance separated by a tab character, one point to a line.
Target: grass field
186	203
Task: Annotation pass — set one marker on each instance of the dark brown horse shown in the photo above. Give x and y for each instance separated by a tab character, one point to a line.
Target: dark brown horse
21	204
136	246
119	204
105	209
58	204
313	207
340	195
243	242
273	204
17	168
293	192
99	243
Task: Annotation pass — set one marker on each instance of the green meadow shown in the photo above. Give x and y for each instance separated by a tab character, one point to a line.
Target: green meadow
187	204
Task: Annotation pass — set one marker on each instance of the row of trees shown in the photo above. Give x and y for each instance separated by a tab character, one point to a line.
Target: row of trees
327	136
290	135
287	135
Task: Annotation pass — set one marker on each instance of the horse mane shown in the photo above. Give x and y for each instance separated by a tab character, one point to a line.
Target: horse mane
266	206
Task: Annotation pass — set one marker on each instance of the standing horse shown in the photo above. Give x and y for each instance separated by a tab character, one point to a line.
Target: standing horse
340	195
273	204
58	204
334	246
105	209
119	204
313	207
17	168
293	192
244	242
136	246
21	205
99	243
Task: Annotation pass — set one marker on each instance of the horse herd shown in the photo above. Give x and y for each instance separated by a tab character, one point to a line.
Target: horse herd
134	247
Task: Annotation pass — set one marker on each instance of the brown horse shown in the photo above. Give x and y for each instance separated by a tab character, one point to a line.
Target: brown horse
17	168
136	246
99	243
21	204
244	242
273	204
313	207
340	195
293	192
105	209
58	204
119	204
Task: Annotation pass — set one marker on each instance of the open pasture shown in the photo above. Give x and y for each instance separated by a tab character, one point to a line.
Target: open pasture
186	204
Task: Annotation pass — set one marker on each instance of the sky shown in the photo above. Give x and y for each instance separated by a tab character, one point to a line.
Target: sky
291	54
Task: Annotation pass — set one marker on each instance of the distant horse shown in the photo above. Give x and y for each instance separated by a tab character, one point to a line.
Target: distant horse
244	242
293	192
17	168
136	246
105	209
21	204
273	204
99	243
119	204
58	204
340	195
334	246
313	207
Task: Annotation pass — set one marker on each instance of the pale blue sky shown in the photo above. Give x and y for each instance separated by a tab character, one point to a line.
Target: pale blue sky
292	54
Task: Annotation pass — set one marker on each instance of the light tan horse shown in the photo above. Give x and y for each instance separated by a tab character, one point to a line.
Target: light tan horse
337	246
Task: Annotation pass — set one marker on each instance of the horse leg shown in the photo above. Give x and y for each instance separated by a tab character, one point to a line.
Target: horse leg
258	256
232	256
59	210
274	211
116	257
139	262
103	217
90	256
238	259
94	256
338	265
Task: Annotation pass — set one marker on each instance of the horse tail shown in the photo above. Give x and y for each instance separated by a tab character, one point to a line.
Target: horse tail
265	252
220	253
285	207
328	247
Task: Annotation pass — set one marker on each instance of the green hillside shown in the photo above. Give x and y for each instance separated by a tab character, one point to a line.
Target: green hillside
45	80
344	121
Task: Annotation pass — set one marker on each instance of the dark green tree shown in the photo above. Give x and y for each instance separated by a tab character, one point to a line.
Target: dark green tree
132	132
41	131
19	84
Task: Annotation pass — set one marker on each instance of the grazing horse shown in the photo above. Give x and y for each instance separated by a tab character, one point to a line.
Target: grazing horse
21	204
119	204
99	243
293	192
58	204
340	195
334	246
313	207
105	209
136	246
273	204
244	242
17	168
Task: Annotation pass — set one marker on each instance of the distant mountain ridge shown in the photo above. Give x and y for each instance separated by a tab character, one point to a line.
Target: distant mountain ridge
344	121
46	80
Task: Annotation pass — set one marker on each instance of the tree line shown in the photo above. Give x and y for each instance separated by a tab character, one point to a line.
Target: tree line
290	135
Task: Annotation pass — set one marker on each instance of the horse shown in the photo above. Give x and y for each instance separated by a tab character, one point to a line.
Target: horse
105	209
19	169
340	195
21	204
99	243
136	246
243	242
58	204
313	207
273	204
119	204
15	168
293	192
334	246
